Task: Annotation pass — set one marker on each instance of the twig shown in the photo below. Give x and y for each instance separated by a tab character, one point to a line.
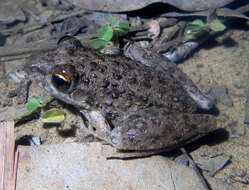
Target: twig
37	46
14	58
28	48
33	27
197	170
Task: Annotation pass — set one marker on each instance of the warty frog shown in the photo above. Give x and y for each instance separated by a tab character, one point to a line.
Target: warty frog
123	102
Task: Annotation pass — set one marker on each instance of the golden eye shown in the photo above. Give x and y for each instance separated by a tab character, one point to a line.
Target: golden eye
64	78
62	82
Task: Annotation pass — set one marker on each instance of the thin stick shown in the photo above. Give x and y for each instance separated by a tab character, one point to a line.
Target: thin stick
197	170
33	27
15	170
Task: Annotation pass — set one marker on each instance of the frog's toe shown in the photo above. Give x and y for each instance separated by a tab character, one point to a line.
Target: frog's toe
202	101
130	155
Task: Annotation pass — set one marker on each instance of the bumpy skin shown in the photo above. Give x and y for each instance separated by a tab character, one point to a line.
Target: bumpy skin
128	104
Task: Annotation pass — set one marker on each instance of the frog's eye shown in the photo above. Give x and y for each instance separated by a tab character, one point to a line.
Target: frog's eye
65	79
62	82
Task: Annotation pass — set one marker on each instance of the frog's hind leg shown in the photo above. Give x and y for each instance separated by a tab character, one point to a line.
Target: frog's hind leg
153	129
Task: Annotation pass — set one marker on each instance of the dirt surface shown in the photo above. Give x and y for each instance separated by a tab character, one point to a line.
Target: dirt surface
226	62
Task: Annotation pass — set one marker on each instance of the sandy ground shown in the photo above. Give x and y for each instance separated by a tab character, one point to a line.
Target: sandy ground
226	63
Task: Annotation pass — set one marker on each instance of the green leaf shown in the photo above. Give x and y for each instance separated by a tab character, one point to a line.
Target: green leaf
105	33
122	29
124	26
195	27
53	115
216	25
33	104
197	22
99	44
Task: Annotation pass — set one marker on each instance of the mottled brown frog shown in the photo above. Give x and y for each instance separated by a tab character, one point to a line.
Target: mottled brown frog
125	103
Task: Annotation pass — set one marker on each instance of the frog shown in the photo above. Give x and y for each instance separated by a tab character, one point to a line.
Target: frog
127	104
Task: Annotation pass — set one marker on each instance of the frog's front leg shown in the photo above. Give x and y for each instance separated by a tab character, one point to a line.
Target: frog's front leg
97	124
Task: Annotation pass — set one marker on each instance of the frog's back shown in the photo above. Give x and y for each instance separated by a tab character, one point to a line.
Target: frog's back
118	83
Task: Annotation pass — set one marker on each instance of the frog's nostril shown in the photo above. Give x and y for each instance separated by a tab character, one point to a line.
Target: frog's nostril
69	44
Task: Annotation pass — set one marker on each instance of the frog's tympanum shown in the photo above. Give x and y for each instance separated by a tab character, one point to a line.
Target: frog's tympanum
123	102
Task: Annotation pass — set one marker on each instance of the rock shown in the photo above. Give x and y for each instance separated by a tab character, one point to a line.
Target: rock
131	5
220	93
82	166
10	12
210	159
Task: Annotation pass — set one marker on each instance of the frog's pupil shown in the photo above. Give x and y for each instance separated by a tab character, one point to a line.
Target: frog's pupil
61	82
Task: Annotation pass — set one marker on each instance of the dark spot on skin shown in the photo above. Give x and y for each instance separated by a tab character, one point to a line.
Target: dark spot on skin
105	84
177	138
115	93
85	79
161	80
143	99
148	76
93	64
130	95
102	68
146	84
185	117
114	85
117	76
169	127
127	67
132	80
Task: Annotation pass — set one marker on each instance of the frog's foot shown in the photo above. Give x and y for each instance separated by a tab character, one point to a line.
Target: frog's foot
97	125
119	154
202	101
128	155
